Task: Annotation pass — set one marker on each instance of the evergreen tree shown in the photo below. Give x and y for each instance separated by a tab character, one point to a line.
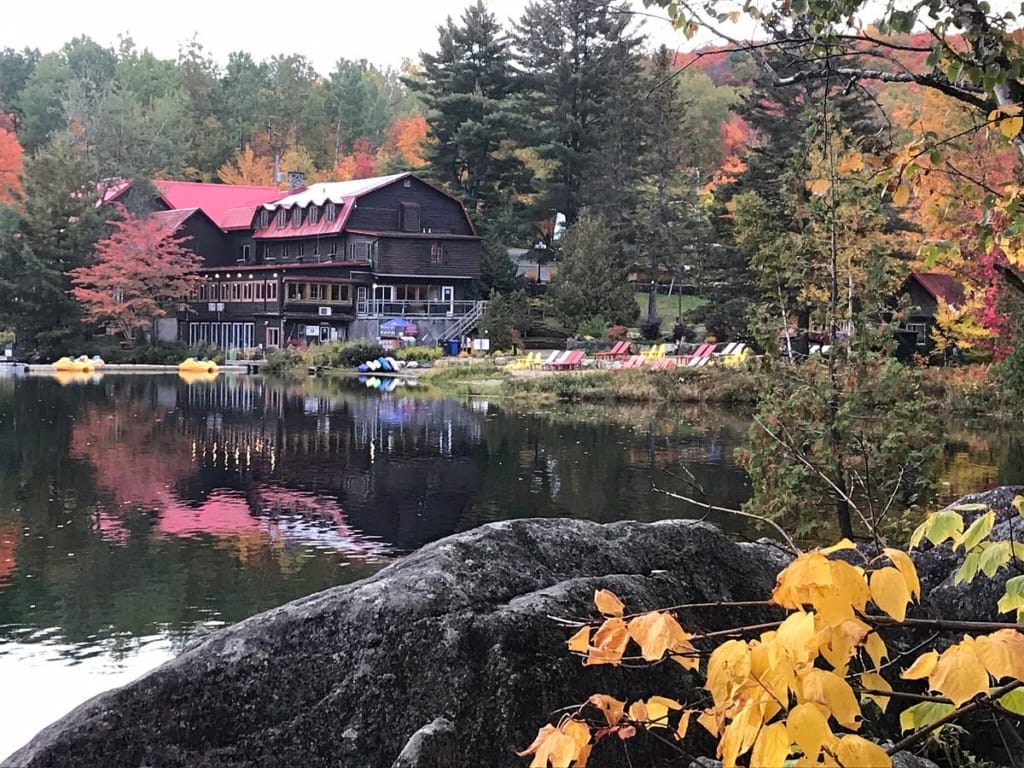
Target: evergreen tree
497	272
591	280
15	69
580	61
671	227
507	319
475	117
54	234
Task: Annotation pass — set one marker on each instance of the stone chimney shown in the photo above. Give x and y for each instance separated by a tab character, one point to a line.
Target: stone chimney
296	181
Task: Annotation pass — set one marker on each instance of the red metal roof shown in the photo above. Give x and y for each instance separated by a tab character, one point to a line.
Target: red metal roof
111	189
172	221
229	206
940	286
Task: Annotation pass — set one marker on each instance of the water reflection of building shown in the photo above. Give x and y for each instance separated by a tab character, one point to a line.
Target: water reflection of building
400	467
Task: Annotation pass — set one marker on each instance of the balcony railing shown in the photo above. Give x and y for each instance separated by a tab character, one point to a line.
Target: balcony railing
412	309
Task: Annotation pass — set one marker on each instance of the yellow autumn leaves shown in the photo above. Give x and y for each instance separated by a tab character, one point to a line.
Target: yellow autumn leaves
793	694
656	633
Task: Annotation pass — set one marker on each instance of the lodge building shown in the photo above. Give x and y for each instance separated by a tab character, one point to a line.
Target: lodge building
329	261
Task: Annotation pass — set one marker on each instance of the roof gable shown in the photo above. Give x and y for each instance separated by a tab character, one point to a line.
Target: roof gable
940	286
229	206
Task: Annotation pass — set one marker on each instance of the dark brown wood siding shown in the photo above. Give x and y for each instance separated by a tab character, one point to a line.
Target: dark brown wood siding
207	241
380	211
922	303
412	256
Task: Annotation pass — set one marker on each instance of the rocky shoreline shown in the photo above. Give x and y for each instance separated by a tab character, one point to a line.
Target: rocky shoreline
449	657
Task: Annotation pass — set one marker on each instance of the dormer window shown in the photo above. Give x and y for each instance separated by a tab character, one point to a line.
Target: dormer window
264	219
282	218
410	217
313	215
330	212
296	216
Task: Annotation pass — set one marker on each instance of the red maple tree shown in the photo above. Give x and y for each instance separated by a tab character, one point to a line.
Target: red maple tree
10	166
139	271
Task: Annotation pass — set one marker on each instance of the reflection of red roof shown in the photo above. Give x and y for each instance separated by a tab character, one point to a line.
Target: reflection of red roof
223	514
940	286
8	545
229	206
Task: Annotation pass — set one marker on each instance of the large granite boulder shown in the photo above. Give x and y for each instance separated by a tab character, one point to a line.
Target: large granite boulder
455	644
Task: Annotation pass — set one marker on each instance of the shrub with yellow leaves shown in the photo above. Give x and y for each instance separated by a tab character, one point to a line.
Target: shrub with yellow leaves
791	693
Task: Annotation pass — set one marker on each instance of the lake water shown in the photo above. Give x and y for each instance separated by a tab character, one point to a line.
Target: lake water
140	512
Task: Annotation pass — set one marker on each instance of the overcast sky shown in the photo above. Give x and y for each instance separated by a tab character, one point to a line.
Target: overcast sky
381	31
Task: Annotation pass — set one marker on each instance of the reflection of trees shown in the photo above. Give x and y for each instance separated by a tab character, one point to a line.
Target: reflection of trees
136	450
577	463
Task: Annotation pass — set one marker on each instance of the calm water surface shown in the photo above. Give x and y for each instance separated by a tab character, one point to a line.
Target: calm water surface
139	512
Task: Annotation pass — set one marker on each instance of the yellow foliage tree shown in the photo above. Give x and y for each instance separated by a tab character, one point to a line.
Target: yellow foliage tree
794	693
247	168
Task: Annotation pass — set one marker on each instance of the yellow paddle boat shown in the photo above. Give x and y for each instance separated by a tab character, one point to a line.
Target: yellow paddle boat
191	365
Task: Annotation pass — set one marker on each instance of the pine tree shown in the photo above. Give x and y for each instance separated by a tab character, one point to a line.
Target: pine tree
54	233
591	279
580	61
475	116
671	227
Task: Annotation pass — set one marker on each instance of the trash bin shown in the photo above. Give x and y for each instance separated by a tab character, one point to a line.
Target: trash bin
451	347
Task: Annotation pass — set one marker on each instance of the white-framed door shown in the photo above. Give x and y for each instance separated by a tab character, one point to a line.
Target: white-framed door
382	295
448	298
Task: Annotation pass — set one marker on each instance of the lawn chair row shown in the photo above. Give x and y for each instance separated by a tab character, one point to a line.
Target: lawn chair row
564	361
732	354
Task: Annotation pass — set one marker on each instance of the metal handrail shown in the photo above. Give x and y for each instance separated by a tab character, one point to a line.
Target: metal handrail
413	309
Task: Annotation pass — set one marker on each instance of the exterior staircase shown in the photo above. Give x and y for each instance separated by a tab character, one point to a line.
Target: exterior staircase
461	325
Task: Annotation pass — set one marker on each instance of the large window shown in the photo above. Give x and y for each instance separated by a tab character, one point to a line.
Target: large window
273	337
313	216
264	218
225	335
437	253
330	212
416	292
321	293
296	216
282	217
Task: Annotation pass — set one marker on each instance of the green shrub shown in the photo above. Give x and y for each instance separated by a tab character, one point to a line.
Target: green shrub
594	327
161	353
283	362
342	354
419	354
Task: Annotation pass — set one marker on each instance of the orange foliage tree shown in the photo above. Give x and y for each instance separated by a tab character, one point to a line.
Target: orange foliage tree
406	140
10	166
139	271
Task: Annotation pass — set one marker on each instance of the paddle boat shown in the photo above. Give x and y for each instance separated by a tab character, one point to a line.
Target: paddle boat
81	364
191	365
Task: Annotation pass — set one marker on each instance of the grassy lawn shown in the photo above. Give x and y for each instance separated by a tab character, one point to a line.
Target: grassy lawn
668	306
